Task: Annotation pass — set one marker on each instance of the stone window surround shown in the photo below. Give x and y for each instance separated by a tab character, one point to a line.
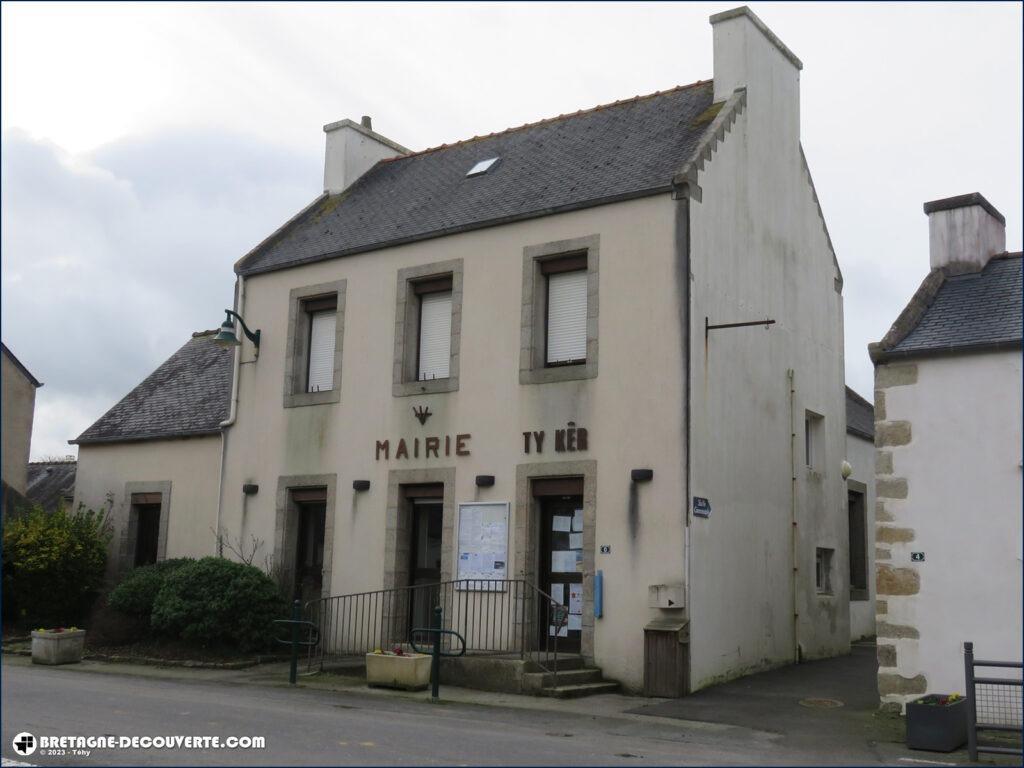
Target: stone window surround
127	522
404	382
527	531
532	365
860	595
396	552
296	353
286	526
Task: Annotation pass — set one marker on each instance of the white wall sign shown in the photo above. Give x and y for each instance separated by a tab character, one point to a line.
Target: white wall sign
483	545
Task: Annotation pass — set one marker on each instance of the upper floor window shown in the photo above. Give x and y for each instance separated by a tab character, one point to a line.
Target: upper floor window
323	315
427	328
434	346
566	317
814	440
316	320
559	339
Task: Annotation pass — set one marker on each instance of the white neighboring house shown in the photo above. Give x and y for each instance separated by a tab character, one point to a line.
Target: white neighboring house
948	431
860	491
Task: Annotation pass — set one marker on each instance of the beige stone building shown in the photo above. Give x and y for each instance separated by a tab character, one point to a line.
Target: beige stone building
152	461
593	362
19	405
948	430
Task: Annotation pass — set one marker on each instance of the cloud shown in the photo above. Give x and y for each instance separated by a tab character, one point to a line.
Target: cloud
112	260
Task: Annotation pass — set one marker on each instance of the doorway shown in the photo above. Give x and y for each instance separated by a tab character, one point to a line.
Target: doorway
309	550
561	560
147	533
426	523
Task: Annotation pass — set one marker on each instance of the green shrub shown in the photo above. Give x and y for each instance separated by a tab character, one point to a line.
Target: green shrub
138	589
214	601
53	564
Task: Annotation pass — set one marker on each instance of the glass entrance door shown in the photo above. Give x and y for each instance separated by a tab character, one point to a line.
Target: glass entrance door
425	560
309	554
561	567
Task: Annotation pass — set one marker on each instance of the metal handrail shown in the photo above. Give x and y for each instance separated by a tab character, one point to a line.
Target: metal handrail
494	616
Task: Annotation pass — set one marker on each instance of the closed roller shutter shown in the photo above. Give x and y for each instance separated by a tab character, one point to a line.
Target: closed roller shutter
435	335
321	351
567	317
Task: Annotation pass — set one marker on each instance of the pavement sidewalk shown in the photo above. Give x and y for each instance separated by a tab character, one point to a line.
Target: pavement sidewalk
825	708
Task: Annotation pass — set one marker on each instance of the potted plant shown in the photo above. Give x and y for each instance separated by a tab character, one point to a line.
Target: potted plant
398	669
58	646
937	722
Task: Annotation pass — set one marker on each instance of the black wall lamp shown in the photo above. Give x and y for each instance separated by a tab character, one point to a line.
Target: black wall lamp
360	485
250	489
226	336
641	475
484	481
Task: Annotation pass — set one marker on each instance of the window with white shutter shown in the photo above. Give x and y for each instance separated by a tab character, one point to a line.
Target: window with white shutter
567	317
321	351
435	341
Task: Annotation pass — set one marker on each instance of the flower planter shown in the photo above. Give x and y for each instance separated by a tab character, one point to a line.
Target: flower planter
408	672
936	727
50	647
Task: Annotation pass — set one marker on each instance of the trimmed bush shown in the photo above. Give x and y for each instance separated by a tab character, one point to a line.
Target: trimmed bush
219	602
54	564
138	589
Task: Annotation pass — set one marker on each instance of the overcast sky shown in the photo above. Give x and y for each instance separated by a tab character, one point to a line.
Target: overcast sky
147	147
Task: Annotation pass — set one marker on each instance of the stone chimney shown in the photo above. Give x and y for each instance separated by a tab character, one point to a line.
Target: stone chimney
353	149
964	232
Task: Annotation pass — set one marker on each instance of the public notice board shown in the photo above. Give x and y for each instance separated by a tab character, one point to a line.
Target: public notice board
483	545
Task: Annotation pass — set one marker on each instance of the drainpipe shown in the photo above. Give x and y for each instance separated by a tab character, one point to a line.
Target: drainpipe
681	194
232	415
794	537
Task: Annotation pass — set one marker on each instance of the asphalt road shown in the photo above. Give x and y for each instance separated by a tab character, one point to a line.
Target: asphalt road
314	727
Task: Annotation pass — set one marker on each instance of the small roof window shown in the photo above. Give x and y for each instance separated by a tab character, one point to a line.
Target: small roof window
482	167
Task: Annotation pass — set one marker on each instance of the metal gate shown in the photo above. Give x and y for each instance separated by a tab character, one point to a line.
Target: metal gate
993	704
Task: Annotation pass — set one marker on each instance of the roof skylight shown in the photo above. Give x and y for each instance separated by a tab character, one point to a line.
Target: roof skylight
482	167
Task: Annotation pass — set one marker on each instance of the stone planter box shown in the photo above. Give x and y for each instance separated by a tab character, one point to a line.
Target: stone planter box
58	647
409	672
935	727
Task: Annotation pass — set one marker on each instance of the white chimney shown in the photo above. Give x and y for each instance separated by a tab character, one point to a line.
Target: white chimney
964	232
352	150
745	51
748	55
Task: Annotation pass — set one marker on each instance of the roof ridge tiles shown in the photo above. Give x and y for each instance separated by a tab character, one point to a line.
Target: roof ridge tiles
547	120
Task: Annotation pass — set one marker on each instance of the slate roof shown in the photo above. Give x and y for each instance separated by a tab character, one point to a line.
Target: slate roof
860	416
970	311
186	396
628	149
51	482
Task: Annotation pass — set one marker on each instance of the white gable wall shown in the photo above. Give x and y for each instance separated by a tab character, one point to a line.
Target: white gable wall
759	250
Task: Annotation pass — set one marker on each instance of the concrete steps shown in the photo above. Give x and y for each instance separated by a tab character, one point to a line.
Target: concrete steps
571	683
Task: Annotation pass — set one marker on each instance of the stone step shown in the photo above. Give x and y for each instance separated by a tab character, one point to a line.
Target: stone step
584	689
535	681
564	663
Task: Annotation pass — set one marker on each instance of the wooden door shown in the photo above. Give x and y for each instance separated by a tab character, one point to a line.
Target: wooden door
147	533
